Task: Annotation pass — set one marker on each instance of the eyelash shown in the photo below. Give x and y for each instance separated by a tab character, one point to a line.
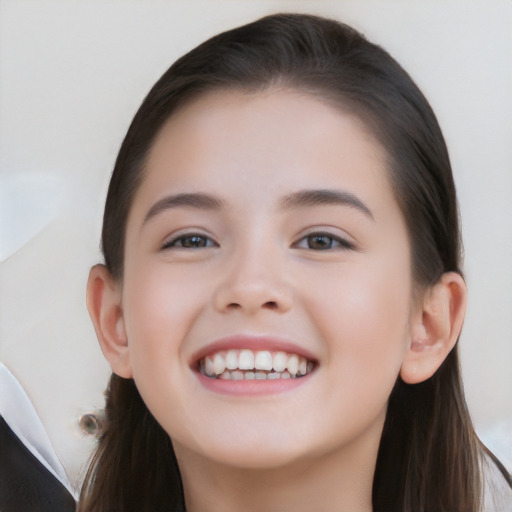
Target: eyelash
181	241
329	241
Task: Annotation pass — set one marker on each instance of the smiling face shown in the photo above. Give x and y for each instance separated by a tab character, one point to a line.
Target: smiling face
265	233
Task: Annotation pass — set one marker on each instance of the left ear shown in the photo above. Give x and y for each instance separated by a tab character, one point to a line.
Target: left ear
435	328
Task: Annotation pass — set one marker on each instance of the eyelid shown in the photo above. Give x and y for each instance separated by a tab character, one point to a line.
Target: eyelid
346	242
171	240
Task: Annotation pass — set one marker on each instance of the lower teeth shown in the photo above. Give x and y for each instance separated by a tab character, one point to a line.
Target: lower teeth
254	374
248	375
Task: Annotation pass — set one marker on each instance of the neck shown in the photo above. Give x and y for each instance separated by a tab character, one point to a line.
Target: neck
337	482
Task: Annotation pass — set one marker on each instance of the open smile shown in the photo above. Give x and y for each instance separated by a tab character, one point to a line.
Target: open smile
253	365
246	364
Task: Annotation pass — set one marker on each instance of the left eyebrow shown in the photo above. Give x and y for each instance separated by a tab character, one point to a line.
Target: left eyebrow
308	198
198	201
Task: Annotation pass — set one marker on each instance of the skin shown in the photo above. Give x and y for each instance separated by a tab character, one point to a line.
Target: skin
313	447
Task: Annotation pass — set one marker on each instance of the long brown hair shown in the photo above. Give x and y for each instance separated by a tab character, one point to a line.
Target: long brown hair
429	457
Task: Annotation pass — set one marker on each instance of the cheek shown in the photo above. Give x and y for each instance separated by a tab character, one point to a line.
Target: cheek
159	306
368	338
365	317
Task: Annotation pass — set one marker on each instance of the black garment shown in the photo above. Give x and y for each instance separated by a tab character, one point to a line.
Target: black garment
25	484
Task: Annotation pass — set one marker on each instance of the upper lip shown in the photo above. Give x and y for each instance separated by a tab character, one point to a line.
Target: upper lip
251	342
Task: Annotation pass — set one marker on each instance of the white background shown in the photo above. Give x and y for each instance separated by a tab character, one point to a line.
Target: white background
72	74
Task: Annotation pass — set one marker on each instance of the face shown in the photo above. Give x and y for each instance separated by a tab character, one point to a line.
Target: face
266	297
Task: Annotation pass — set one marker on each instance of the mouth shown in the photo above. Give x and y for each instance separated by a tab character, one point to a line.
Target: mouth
247	364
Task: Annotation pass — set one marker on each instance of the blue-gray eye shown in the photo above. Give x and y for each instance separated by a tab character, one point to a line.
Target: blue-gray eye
323	242
191	241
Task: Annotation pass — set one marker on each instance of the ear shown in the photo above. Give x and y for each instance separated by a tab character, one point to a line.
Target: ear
104	305
435	326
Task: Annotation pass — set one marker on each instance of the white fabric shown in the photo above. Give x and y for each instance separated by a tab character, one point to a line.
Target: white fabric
497	492
19	413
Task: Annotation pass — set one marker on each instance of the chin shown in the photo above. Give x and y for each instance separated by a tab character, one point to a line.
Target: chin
256	459
253	449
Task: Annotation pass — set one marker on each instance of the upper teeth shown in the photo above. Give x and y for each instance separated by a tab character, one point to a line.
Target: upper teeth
231	362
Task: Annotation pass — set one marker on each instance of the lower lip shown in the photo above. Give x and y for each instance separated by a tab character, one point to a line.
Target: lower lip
251	387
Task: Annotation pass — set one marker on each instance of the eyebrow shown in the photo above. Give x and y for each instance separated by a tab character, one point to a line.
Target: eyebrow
300	199
196	200
308	198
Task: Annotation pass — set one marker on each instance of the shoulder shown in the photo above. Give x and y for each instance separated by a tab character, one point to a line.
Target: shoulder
497	492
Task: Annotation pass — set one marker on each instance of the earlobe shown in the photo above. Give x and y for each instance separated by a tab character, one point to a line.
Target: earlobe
435	328
104	305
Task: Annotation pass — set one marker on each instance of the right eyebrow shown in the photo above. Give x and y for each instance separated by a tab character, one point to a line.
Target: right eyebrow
314	197
191	200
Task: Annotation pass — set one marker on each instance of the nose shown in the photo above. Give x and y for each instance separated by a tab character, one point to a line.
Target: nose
253	282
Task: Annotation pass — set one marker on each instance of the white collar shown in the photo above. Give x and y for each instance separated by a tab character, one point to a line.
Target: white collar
19	413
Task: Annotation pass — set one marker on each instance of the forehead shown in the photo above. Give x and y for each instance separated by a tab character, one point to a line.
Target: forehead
267	142
274	121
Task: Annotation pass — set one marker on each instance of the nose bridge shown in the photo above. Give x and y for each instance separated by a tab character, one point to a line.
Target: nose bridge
254	278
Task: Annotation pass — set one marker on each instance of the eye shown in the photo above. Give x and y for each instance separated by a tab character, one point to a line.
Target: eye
190	241
323	242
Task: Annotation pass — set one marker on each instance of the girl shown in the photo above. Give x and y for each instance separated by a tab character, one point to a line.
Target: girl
282	296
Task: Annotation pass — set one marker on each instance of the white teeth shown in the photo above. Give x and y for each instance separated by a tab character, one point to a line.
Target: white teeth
279	361
242	375
293	364
246	360
263	361
249	365
208	366
302	366
219	364
231	360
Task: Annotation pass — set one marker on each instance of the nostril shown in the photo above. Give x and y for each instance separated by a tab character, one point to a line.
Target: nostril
271	304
